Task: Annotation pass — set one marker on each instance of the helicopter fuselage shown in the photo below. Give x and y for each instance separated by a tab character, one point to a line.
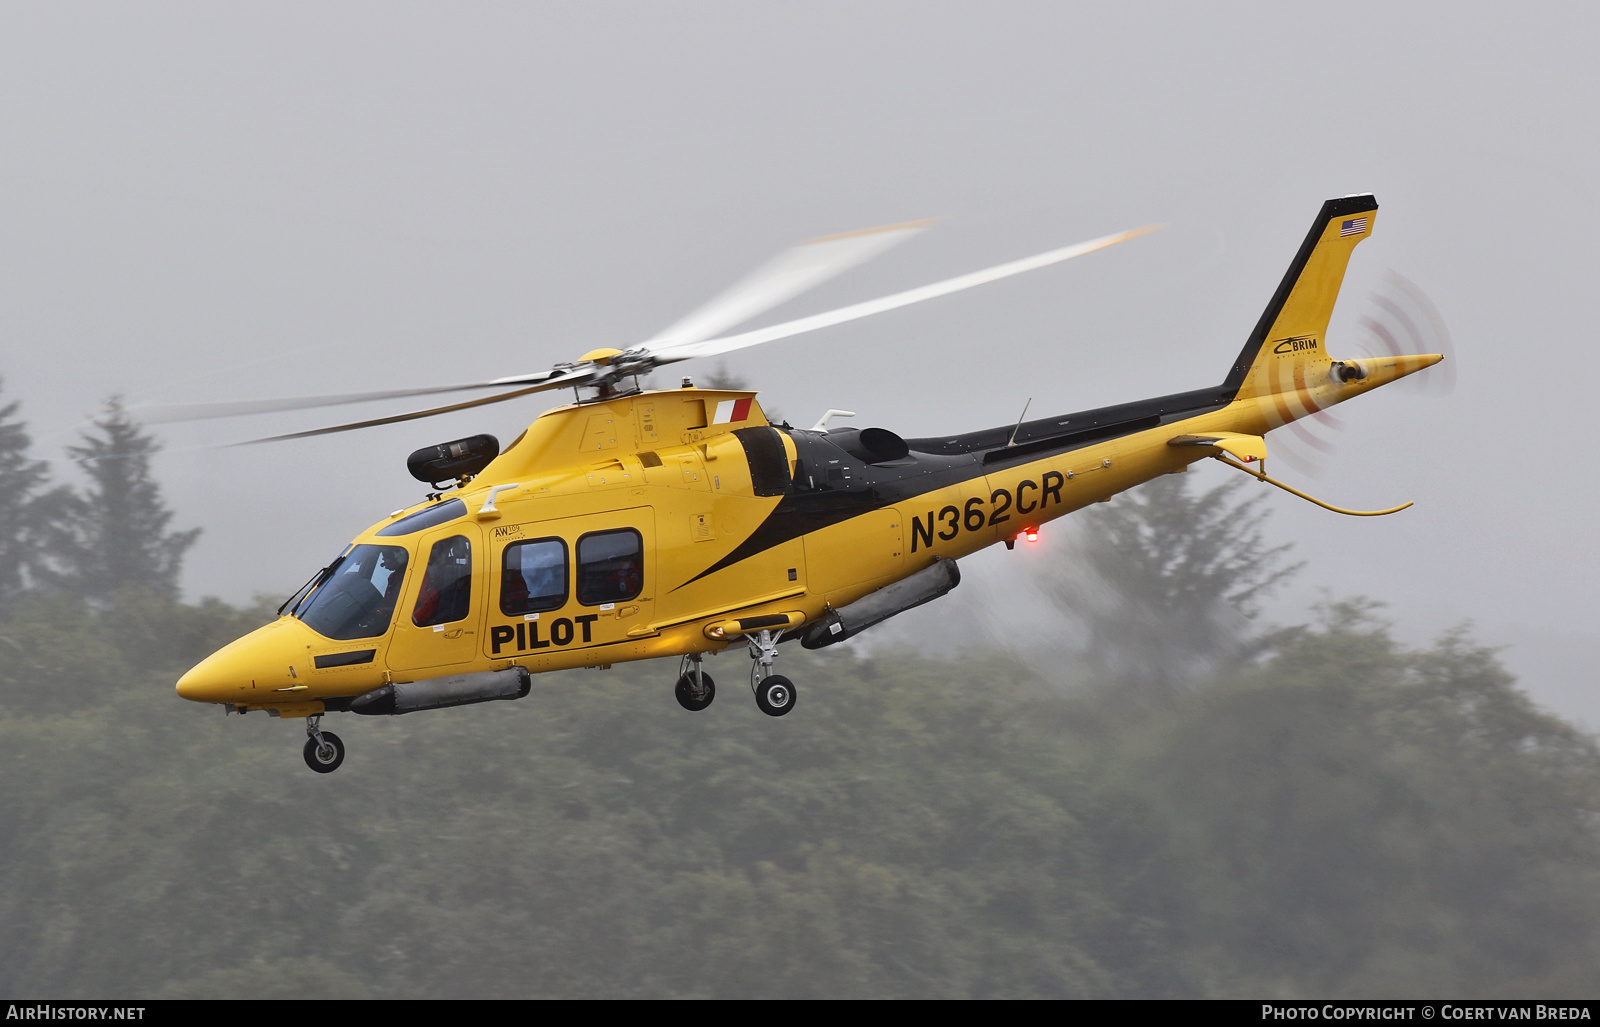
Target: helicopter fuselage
676	523
654	521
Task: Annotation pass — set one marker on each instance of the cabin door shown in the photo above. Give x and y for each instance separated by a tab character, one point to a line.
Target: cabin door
441	611
571	583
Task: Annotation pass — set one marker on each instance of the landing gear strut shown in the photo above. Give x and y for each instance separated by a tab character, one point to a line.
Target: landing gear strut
775	694
324	750
695	689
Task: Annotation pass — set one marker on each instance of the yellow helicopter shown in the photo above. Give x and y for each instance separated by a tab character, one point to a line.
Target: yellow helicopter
633	524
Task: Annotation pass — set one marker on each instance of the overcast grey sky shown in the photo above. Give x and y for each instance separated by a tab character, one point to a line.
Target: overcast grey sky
206	202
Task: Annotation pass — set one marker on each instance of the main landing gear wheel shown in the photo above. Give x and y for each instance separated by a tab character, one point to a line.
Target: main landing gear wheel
775	695
695	699
324	753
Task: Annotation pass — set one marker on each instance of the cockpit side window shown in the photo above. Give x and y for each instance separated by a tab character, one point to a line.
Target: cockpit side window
357	598
446	593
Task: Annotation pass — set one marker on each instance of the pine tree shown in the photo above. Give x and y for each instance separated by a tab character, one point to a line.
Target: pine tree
118	538
1164	583
22	478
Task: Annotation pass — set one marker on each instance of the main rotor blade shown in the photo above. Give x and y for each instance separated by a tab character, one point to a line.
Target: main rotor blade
727	344
206	411
784	277
575	377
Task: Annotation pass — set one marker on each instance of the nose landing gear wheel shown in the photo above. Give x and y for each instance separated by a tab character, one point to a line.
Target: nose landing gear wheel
324	757
775	695
692	699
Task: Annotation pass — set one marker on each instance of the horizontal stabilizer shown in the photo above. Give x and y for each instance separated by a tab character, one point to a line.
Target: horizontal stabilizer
1248	448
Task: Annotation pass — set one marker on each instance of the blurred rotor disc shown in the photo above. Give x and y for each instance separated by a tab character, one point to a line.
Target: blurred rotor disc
1399	319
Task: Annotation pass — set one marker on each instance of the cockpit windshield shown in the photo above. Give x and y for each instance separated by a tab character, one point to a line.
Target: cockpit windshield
357	597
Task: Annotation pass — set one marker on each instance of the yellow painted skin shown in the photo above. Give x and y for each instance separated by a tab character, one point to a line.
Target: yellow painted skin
657	462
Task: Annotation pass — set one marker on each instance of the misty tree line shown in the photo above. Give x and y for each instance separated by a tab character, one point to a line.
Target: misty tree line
89	571
91	542
1176	800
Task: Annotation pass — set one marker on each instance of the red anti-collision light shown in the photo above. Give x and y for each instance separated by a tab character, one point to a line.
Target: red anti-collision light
1031	534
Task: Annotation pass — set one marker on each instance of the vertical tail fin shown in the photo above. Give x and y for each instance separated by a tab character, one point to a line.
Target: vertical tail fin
1289	343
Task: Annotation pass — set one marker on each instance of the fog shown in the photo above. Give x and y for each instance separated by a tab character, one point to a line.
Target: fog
203	202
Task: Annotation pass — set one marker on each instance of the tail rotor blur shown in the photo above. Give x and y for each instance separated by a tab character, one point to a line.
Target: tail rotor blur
1399	318
1402	319
1307	444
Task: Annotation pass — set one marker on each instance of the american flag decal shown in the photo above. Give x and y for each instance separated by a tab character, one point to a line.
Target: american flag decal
1354	226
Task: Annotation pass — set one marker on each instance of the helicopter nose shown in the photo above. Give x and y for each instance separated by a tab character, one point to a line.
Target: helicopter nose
249	665
217	678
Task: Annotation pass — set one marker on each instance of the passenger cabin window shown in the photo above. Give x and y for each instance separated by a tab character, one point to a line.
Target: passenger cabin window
446	593
358	597
534	576
610	566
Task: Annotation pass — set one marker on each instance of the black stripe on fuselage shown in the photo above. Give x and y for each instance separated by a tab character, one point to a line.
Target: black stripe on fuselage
940	462
831	486
1344	206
